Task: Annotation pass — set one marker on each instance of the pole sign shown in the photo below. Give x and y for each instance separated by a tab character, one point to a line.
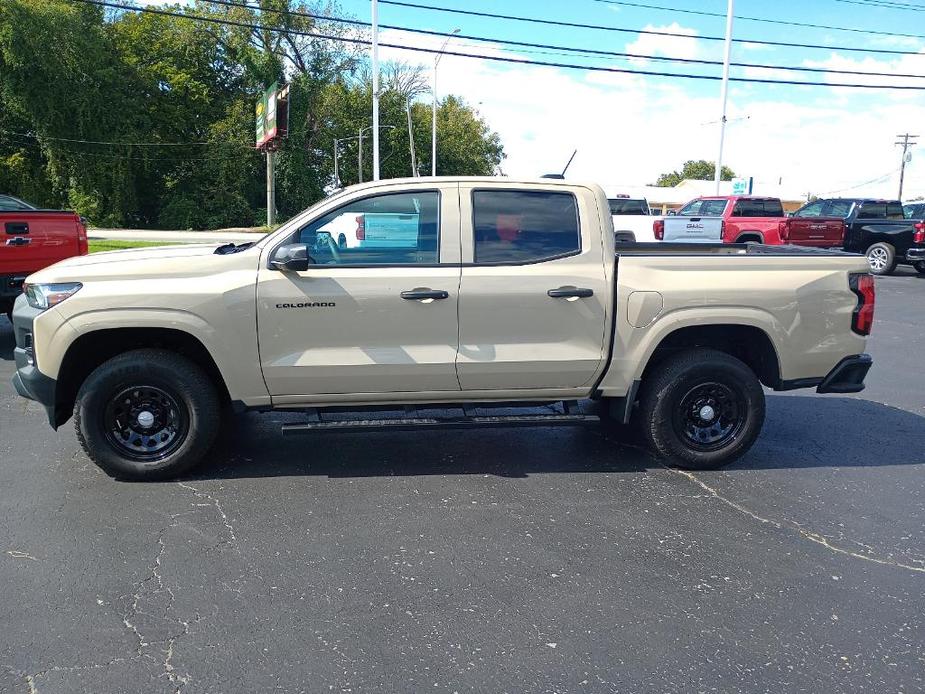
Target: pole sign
272	116
742	186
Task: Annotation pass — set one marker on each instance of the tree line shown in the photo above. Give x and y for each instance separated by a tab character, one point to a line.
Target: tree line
138	119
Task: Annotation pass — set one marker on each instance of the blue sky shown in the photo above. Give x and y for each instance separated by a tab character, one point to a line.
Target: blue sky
628	129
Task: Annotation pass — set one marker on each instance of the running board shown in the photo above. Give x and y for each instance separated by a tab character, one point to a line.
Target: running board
411	423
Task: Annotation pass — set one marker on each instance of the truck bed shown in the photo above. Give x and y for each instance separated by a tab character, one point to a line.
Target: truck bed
711	249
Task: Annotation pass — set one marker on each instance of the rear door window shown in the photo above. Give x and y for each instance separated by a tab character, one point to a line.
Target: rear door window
838	208
894	210
872	210
622	206
518	227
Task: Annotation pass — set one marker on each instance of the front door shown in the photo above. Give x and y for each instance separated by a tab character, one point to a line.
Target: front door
534	292
376	310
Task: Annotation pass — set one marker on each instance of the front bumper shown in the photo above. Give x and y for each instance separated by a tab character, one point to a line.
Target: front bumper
847	376
915	255
28	381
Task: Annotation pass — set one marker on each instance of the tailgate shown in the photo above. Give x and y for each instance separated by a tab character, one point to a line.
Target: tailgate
693	229
34	239
815	231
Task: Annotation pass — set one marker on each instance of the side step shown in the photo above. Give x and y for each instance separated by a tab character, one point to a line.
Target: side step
411	423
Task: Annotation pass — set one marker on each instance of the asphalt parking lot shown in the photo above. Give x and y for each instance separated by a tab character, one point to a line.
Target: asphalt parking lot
490	561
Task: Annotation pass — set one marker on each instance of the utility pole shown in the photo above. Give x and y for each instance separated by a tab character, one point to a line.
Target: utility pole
718	176
414	163
906	144
271	187
433	133
375	50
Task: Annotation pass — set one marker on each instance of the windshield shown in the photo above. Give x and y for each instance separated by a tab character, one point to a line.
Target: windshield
8	203
703	208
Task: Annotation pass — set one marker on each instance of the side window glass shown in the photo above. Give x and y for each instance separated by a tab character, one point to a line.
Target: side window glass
391	229
872	210
522	227
813	209
713	208
838	208
691	209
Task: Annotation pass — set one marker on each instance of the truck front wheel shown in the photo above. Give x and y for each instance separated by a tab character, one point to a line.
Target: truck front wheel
147	414
701	409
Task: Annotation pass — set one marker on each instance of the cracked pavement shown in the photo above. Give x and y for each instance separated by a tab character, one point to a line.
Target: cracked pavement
501	560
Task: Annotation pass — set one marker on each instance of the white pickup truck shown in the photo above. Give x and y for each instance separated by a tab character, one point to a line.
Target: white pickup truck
632	220
511	294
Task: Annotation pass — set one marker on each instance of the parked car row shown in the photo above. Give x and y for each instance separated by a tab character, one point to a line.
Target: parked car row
883	230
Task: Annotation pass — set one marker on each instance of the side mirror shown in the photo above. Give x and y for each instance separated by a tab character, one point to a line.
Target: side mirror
293	257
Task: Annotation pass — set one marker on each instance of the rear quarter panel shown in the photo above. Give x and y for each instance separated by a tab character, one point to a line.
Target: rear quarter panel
802	303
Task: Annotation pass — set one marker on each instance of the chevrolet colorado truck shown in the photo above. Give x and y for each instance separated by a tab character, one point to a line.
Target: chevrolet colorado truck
33	239
879	229
738	219
509	293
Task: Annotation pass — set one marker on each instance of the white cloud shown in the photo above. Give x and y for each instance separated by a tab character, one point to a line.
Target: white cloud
653	45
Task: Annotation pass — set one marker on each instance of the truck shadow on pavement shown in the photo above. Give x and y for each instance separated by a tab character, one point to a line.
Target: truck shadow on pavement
800	432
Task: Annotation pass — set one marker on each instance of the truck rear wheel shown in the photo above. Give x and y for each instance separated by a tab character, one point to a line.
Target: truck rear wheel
701	409
920	267
147	414
882	258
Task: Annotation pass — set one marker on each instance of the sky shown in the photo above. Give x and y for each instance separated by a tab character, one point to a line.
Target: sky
629	128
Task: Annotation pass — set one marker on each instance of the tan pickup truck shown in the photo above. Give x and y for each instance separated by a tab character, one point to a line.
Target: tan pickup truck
459	292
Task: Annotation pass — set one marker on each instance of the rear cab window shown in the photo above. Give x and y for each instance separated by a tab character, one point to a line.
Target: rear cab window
881	210
628	206
520	227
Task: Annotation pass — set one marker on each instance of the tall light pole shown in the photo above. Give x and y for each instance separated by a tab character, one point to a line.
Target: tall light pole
375	50
718	176
375	130
433	132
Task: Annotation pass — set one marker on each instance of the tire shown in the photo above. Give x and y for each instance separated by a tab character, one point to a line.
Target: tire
162	389
882	258
701	409
919	267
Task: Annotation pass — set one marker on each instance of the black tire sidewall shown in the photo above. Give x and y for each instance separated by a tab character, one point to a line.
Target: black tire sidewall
182	379
919	267
674	380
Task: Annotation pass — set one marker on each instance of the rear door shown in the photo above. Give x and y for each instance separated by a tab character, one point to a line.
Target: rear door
534	292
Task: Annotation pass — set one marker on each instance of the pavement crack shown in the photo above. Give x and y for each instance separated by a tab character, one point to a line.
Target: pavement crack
232	538
792	526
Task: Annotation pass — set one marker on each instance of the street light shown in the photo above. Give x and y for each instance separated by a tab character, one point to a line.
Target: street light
433	134
360	138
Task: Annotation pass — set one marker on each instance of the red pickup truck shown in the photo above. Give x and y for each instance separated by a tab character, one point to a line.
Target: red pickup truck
740	219
31	239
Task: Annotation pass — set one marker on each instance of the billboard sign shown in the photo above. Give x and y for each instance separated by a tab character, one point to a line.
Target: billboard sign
272	115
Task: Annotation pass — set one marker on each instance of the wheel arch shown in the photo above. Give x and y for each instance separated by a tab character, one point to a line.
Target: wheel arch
91	349
747	236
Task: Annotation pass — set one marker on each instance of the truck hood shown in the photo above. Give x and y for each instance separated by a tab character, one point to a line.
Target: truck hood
155	262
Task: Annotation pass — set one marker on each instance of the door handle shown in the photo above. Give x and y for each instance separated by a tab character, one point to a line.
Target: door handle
570	292
18	241
421	293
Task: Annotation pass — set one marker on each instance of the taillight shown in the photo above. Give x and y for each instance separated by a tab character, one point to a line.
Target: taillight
783	228
722	231
658	228
361	228
862	320
919	236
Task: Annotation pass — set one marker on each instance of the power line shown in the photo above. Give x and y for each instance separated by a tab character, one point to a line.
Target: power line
765	20
885	5
517	61
533	20
590	52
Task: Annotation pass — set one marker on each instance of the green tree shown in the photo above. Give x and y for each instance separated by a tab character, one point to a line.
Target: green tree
700	170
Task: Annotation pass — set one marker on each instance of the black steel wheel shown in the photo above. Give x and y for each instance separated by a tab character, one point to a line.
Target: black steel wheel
147	414
701	409
145	423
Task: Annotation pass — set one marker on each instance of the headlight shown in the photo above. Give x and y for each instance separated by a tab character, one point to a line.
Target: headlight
45	296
